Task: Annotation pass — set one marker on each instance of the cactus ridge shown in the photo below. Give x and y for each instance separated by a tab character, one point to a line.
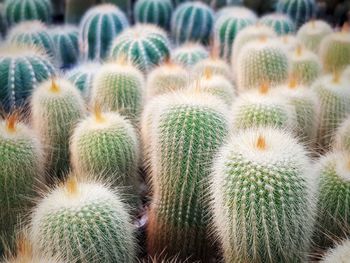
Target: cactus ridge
189	54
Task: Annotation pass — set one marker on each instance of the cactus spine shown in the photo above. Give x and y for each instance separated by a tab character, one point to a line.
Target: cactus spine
189	54
215	65
75	9
280	23
342	136
340	254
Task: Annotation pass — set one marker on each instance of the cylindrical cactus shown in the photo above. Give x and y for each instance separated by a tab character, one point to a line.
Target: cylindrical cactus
215	65
261	61
312	33
119	87
93	221
22	69
75	9
21	10
263	197
144	45
340	253
185	21
185	136
280	23
189	54
154	12
99	26
342	136
56	107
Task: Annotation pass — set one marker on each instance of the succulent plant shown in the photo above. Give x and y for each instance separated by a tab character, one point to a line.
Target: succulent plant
22	69
144	45
154	12
56	107
342	136
94	220
125	5
185	21
340	253
289	42
263	197
215	65
98	27
75	9
189	54
280	23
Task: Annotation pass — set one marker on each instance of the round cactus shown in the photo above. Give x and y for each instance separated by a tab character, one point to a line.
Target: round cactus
66	39
189	54
263	197
75	9
227	27
93	220
335	51
312	33
300	11
185	21
33	33
21	167
289	42
99	26
21	10
56	107
83	76
342	136
340	254
262	61
154	11
216	65
22	69
119	87
185	135
334	99
144	45
280	23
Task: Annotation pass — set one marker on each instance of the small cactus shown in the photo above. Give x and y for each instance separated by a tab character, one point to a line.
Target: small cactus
75	9
99	26
339	254
94	220
280	23
215	65
342	136
144	45
154	12
289	42
263	197
185	21
56	107
189	54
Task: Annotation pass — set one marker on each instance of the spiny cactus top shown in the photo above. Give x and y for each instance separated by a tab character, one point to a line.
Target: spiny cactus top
22	69
144	45
93	222
342	137
21	10
99	26
282	24
189	54
192	21
312	33
154	12
216	66
290	42
263	197
341	253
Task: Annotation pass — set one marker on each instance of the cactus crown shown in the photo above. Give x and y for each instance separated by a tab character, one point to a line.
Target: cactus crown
340	253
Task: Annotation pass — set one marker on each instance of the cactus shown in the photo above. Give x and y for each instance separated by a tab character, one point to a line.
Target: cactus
22	69
334	99
125	5
83	76
119	87
185	136
144	45
300	11
56	107
280	23
185	21
154	11
262	61
99	26
263	109
340	253
305	66
263	197
94	220
335	51
21	166
66	39
312	33
342	136
189	54
33	33
214	64
21	10
227	27
75	9
289	42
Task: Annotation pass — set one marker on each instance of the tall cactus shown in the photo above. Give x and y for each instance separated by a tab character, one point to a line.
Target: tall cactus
75	10
189	54
280	23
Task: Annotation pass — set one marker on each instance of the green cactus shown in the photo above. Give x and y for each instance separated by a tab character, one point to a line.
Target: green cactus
21	167
93	221
215	65
56	107
153	11
185	21
300	11
185	136
312	33
340	253
144	45
262	61
189	54
119	87
21	10
75	9
342	136
280	23
263	197
22	69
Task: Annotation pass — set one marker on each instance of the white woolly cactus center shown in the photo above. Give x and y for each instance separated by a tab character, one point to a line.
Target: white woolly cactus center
104	9
290	42
17	50
28	27
339	254
215	65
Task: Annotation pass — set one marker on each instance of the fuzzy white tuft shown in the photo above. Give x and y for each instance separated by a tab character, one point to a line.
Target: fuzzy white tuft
339	254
